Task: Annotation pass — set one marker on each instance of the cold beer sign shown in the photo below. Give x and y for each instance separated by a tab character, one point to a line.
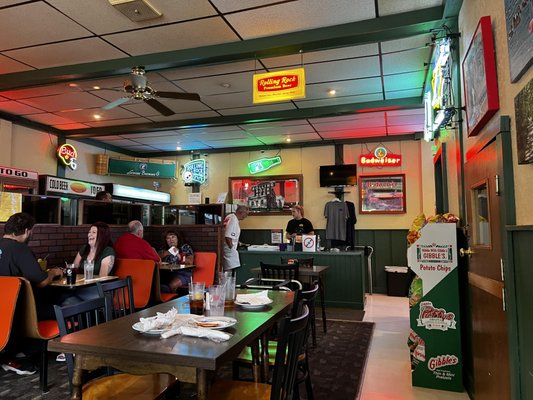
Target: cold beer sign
279	86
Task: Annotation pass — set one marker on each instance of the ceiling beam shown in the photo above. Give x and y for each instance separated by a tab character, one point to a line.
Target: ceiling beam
385	28
242	119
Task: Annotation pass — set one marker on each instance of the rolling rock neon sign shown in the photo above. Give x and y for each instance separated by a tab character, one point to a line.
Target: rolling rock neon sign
380	158
68	155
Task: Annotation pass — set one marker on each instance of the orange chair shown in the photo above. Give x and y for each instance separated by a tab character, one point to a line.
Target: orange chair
162	297
28	326
9	292
144	277
205	265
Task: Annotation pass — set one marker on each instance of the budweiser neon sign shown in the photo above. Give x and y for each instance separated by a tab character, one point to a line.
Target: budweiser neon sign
68	155
380	158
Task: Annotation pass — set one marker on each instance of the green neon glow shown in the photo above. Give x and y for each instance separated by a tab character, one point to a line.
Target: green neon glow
263	164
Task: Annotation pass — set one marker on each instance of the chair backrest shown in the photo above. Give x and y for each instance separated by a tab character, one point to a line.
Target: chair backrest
205	265
280	271
145	281
80	316
9	293
306	297
119	295
291	338
302	262
26	320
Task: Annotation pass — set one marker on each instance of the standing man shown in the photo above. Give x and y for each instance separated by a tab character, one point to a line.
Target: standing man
231	238
297	227
131	245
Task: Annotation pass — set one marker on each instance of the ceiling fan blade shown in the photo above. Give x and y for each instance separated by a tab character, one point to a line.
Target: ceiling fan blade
178	95
156	105
116	103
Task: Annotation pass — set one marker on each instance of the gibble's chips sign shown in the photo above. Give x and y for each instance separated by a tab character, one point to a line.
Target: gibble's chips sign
279	86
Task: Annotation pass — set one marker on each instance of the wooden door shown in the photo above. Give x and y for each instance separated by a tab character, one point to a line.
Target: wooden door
485	276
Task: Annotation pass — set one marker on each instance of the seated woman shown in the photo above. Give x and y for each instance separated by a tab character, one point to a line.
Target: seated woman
98	249
175	252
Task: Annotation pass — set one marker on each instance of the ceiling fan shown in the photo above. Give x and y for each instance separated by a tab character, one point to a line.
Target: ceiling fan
138	88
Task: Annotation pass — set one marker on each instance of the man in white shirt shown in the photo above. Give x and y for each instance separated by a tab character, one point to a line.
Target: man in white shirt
231	238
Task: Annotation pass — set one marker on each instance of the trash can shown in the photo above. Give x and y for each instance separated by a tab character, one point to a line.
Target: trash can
398	281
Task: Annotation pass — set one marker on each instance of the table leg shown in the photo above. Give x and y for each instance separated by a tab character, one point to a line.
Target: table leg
265	365
201	384
322	306
256	365
77	385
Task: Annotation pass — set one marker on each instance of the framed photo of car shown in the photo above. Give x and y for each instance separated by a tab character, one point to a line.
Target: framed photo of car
382	194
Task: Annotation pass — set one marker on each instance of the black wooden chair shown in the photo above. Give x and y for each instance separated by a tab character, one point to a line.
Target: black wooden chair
288	349
120	386
244	360
119	295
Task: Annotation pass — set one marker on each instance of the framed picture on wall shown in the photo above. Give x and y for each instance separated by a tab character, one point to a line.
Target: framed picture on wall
267	194
519	23
479	78
382	194
524	124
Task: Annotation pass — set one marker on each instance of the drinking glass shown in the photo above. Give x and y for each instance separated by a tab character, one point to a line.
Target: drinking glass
88	270
228	281
196	297
216	300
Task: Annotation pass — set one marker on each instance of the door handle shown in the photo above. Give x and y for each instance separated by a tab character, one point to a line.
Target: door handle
468	252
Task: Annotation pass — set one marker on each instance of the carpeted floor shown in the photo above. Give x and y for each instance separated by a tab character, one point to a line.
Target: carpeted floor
337	365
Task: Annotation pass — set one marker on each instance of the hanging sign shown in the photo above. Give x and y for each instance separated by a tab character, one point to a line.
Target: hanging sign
68	155
141	169
263	164
68	186
380	158
194	171
279	86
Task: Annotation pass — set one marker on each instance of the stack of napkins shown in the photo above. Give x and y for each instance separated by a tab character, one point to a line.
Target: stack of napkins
160	321
216	336
254	299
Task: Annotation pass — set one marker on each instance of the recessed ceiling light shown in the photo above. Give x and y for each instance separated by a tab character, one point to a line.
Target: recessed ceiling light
225	85
73	84
178	146
288	140
96	87
332	92
97	116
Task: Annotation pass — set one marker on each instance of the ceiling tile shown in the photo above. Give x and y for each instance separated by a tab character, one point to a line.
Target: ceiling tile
409	43
40	91
42	24
184	35
387	7
399	94
282	139
365	67
8	66
66	53
185	116
238	82
354	133
230	100
100	17
268	130
210	70
250	141
352	124
49	119
226	6
409	80
259	109
67	127
343	88
339	100
406	61
17	108
116	122
70	100
299	15
405	129
405	119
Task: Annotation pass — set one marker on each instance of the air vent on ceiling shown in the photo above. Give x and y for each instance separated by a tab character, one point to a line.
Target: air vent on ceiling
136	10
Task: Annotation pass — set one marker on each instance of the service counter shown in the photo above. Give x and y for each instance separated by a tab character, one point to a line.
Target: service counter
344	281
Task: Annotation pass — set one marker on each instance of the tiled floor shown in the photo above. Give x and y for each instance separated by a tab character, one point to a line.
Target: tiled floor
388	372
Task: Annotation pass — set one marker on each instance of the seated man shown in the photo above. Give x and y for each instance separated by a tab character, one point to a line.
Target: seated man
131	245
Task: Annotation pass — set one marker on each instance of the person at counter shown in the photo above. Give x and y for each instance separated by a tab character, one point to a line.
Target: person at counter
297	227
104	195
175	251
232	231
17	259
131	245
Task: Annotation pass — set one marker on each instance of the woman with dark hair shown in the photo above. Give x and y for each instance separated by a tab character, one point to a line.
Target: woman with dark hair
98	249
175	252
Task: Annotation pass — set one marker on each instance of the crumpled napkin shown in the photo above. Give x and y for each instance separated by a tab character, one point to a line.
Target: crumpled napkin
161	320
254	299
214	335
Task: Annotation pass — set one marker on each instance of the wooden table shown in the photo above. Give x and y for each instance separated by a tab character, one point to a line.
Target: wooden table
116	344
316	271
174	267
81	282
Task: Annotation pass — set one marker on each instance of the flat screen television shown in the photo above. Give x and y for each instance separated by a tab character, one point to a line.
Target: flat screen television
338	175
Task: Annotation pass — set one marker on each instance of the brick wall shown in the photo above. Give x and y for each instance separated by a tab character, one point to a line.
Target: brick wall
61	243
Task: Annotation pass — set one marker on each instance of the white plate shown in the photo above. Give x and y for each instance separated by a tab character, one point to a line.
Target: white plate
253	306
223	322
138	327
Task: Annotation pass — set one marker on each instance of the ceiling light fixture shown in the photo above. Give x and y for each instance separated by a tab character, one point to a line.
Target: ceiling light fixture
97	116
288	140
136	10
225	85
178	146
332	92
97	87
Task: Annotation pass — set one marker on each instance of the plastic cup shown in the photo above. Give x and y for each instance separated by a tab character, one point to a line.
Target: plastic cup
70	274
216	300
196	297
229	282
88	270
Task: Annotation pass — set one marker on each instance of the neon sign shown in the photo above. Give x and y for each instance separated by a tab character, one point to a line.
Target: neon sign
68	155
263	164
194	171
380	158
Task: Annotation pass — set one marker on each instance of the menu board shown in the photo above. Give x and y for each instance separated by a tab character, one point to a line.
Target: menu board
435	338
10	203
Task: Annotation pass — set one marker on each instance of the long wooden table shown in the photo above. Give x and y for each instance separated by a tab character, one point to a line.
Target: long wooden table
116	344
81	282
